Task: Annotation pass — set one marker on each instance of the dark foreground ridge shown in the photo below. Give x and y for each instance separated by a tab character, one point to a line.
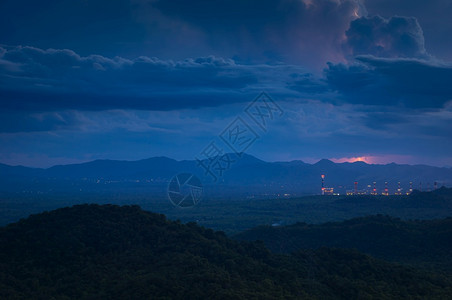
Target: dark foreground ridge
113	252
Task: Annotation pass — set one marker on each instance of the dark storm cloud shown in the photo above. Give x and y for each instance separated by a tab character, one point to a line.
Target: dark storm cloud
291	30
381	81
432	15
98	26
36	79
301	31
390	66
394	37
260	18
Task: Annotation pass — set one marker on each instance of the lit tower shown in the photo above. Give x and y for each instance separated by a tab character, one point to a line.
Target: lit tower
411	188
386	193
399	190
356	187
374	191
323	183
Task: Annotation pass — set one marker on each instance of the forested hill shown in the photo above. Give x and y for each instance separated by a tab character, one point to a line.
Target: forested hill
423	243
112	252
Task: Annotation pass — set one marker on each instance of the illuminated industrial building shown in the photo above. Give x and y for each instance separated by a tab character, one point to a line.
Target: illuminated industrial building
355	190
371	189
328	191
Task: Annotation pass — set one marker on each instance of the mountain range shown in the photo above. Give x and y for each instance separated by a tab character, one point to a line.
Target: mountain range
247	172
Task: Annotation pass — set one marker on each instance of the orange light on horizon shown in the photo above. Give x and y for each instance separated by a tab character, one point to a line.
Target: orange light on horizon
366	159
381	159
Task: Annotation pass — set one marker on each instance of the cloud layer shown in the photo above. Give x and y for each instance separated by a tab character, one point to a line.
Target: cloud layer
37	79
392	82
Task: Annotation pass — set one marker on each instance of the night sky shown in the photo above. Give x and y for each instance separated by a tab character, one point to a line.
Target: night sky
132	79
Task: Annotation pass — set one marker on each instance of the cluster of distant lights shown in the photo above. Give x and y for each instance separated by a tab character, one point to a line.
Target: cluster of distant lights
330	190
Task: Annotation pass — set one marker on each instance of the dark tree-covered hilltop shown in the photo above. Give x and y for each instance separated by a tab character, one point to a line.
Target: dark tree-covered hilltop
425	243
113	252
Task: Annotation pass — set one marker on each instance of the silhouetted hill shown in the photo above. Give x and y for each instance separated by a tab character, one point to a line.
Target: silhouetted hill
112	252
253	175
116	170
426	242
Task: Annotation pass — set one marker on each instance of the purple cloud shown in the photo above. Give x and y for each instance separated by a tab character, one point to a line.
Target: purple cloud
395	37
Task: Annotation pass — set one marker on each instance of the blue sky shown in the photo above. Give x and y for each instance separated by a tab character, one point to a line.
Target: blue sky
131	79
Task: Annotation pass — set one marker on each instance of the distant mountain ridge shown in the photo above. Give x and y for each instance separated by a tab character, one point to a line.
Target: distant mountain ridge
247	171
